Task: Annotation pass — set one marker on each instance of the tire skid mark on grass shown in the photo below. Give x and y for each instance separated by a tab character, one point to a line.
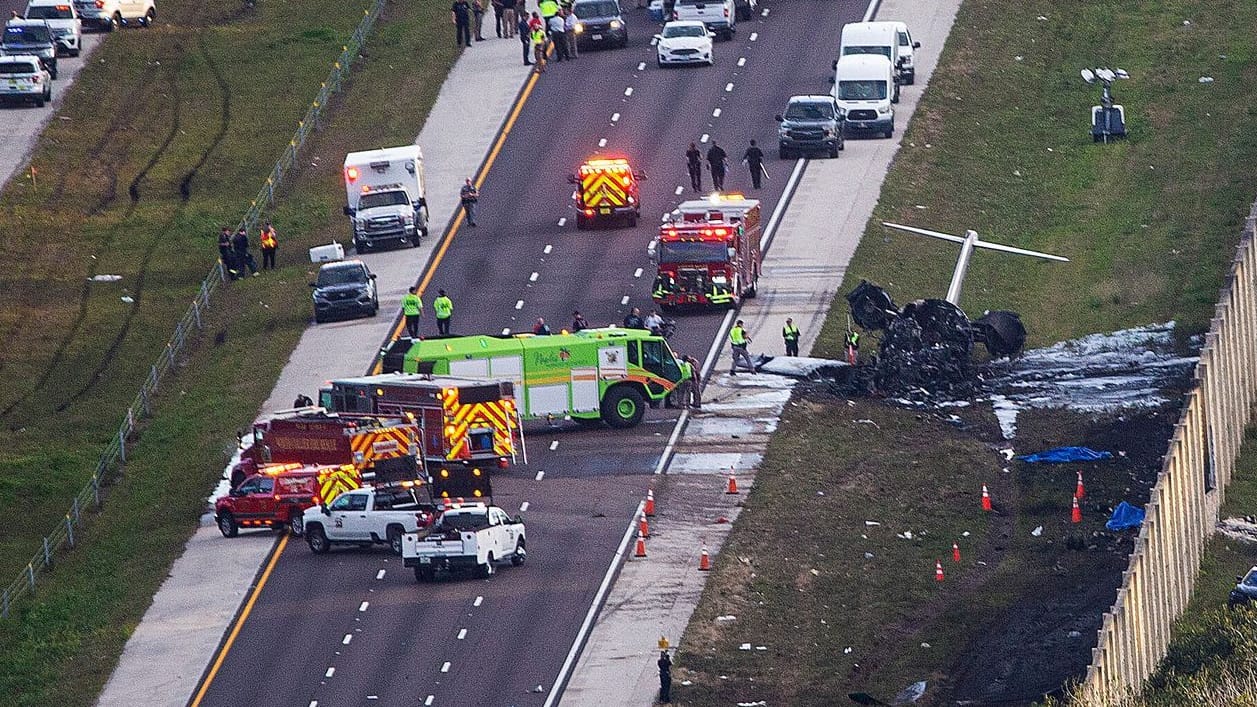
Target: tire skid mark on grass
185	186
133	190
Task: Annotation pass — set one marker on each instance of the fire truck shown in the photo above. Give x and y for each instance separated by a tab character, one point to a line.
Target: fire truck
382	450
462	421
708	253
607	191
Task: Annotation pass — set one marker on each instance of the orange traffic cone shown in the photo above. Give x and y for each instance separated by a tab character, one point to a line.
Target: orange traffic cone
955	552
986	499
640	551
643	530
704	561
1080	491
938	571
733	484
650	503
1075	516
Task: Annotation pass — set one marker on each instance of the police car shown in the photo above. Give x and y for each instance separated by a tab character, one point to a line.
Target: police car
24	78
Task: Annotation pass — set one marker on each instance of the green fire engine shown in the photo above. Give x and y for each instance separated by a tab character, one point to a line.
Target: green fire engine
609	374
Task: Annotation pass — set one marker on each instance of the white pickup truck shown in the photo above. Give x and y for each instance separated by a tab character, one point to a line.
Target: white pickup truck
466	536
365	516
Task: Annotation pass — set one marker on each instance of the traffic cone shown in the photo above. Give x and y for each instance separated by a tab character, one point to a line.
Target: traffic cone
640	551
986	499
704	561
938	571
1075	516
955	552
1080	491
733	484
650	503
643	530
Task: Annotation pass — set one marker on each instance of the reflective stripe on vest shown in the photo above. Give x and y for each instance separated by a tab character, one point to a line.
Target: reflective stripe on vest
790	332
269	240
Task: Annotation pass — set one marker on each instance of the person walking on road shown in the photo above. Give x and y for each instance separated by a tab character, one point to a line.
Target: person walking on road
240	246
790	333
468	196
443	308
412	309
538	38
578	322
524	32
665	677
694	393
270	242
694	164
497	17
460	15
738	341
716	162
569	30
753	158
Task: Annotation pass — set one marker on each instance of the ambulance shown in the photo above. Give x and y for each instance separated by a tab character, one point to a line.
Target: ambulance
385	197
606	191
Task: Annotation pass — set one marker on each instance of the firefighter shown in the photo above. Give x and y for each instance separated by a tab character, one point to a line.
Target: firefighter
412	308
790	333
738	341
633	320
443	308
269	244
852	342
694	164
548	9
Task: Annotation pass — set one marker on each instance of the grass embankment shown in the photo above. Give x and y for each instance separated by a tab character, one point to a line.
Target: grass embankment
1000	145
165	138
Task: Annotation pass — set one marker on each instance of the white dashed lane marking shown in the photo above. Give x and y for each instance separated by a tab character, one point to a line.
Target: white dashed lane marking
704	138
540	475
764	13
624	299
329	673
615	117
506	331
519	304
637	272
742	61
754	36
602	142
523	507
716	113
445	667
379	575
728	87
641	66
679	190
462	633
554	445
533	277
363	606
428	702
562	222
478	601
348	637
628	91
548	247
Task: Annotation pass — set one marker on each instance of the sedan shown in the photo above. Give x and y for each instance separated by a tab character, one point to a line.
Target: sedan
684	42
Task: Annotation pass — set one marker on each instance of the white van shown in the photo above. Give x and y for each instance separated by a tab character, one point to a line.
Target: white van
864	87
907	67
385	197
64	22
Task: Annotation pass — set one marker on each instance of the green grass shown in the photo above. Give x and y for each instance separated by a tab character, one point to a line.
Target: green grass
999	144
61	647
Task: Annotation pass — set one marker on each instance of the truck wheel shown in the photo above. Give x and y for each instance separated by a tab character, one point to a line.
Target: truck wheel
487	569
632	221
623	407
582	223
395	539
424	574
296	524
227	525
317	539
520	554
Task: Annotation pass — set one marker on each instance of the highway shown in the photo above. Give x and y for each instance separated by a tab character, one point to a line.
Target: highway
354	627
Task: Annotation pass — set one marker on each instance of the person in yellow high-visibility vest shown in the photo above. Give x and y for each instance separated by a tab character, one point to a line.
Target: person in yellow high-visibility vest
790	333
738	341
443	308
539	48
412	309
270	242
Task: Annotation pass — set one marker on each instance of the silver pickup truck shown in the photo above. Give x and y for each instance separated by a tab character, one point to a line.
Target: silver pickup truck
470	536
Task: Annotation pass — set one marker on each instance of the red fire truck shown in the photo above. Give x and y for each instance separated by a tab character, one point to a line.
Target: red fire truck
382	449
708	253
275	495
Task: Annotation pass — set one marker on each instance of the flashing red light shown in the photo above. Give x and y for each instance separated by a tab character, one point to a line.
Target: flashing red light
351	173
589	212
100	4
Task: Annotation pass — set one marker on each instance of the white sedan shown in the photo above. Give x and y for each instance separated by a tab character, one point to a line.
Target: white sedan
684	42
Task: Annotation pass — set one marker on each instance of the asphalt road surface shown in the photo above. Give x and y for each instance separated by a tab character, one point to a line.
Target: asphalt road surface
353	627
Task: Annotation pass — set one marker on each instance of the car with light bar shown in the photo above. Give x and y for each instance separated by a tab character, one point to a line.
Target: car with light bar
110	15
684	42
599	23
466	537
24	78
275	495
61	17
30	38
708	253
385	197
368	516
606	191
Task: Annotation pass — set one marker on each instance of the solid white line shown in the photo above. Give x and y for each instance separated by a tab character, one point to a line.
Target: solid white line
628	91
506	330
554	445
533	277
742	61
562	222
716	113
462	633
714	352
523	507
478	601
379	575
728	87
540	475
679	190
329	672
624	299
364	605
599	597
641	66
314	703
445	667
548	248
428	702
519	304
637	272
754	36
348	637
615	117
778	211
704	138
602	142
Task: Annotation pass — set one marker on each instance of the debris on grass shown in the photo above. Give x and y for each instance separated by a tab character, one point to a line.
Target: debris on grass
105	278
726	617
1038	530
1241	529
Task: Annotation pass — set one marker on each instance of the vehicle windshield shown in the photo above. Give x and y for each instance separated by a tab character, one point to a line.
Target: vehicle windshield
809	111
1250	580
684	31
383	198
604	8
16	67
880	49
349	502
49	12
463	521
26	35
866	90
341	276
693	252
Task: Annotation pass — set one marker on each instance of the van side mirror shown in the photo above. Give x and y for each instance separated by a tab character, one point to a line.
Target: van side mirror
657	38
518	519
348	211
916	45
372	276
778	118
833	79
835	65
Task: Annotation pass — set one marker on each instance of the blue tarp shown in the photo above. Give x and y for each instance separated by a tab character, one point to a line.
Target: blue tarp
1125	516
1066	454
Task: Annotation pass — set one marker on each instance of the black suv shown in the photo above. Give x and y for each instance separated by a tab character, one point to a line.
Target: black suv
810	124
345	288
600	23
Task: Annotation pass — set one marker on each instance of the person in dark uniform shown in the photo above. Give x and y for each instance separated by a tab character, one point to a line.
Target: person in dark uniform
716	158
240	246
753	158
460	15
225	252
665	677
694	163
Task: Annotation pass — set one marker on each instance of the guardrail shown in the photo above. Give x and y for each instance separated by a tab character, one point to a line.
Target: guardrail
114	458
1183	508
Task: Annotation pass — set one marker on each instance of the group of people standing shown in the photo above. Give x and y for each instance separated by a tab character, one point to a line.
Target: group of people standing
412	311
718	166
551	25
235	255
468	18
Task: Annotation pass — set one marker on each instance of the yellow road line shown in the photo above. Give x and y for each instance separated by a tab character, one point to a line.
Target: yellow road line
235	630
458	217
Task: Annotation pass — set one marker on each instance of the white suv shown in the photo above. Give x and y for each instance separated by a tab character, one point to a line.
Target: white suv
24	78
112	14
64	22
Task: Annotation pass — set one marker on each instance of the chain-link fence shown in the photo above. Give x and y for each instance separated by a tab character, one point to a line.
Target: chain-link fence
114	457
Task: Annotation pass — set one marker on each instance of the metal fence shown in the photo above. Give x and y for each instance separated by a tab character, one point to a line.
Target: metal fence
114	457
